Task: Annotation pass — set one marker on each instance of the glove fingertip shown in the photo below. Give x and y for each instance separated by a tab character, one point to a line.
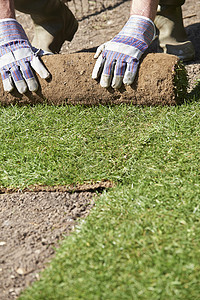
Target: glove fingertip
44	74
98	68
95	73
22	88
129	76
129	81
32	84
117	82
38	66
105	81
99	50
8	85
96	55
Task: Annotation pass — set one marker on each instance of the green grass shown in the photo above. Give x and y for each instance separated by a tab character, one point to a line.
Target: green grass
63	145
141	241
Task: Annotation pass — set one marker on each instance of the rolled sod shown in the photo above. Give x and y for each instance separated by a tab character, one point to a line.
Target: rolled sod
161	80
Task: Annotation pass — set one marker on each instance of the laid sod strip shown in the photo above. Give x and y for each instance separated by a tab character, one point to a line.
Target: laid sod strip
141	241
64	145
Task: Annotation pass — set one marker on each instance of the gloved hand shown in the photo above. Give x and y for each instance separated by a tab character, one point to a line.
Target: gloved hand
118	59
18	58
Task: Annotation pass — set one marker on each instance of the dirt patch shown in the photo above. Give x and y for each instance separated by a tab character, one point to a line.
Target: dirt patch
32	224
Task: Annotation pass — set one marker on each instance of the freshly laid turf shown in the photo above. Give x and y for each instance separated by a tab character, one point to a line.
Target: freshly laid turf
64	145
142	239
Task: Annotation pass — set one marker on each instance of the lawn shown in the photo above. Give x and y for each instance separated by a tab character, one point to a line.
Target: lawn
141	241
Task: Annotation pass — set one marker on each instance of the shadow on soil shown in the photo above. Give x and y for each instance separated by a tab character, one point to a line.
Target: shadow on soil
194	95
104	9
193	32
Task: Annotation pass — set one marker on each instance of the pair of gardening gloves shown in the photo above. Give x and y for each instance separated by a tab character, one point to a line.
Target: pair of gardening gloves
117	60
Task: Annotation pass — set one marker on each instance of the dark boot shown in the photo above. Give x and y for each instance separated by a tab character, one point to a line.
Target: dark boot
53	21
172	35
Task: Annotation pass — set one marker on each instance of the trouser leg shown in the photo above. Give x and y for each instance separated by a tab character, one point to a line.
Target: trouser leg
54	23
172	2
172	35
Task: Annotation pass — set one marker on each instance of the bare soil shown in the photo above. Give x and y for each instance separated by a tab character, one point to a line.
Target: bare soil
33	223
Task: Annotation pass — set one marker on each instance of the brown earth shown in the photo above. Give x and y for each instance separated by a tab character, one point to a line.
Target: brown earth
32	223
71	83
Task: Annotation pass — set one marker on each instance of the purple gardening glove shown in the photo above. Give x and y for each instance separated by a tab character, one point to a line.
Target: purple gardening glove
118	59
18	58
